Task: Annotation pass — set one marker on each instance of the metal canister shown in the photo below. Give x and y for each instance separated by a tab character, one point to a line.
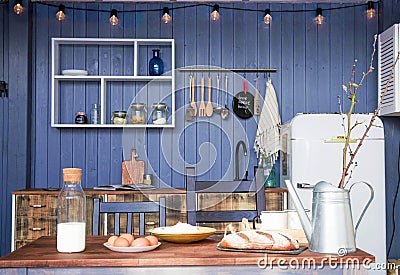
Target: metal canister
159	114
138	113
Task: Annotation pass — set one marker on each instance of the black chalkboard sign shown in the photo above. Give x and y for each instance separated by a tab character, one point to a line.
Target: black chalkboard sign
243	103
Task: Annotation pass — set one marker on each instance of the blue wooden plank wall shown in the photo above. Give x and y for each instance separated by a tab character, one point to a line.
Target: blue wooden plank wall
312	62
390	15
3	121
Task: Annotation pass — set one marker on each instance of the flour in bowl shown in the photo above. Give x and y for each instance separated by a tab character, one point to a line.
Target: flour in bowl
178	228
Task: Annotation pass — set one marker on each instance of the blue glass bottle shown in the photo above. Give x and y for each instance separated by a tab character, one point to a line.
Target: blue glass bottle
156	65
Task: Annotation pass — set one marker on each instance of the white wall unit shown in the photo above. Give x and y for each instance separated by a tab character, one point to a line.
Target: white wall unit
130	80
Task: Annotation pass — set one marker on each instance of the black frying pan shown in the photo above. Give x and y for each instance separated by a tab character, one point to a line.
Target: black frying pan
243	103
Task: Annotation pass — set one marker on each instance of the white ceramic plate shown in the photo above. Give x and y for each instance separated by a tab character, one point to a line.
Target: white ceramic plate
131	248
75	72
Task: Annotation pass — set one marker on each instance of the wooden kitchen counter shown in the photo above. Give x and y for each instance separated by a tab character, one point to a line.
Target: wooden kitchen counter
42	253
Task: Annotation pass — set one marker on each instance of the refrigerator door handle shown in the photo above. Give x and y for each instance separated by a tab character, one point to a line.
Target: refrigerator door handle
305	186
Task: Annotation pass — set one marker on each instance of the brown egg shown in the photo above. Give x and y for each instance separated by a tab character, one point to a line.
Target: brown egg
152	239
121	242
129	237
140	242
111	240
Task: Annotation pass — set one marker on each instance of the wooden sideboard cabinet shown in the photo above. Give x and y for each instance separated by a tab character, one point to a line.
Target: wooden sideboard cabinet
34	211
35	215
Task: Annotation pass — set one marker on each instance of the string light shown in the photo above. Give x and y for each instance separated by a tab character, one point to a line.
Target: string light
166	18
267	17
60	15
215	13
113	17
18	8
319	19
371	10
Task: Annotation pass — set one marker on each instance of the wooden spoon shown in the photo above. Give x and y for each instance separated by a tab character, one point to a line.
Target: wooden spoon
193	102
209	107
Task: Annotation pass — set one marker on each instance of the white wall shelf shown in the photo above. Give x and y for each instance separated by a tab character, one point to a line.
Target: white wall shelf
66	87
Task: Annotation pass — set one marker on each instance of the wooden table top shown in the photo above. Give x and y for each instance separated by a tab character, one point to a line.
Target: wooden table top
43	253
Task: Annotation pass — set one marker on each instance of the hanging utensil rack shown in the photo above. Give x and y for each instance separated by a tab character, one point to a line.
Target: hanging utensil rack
236	70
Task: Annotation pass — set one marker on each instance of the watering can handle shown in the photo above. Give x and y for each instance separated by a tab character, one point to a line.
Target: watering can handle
371	197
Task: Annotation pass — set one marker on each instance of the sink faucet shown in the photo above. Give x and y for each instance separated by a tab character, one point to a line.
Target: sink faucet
241	142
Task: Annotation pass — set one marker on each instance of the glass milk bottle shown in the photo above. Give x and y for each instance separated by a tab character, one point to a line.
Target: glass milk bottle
71	213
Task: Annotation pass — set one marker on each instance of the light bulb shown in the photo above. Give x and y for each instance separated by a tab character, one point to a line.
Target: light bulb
60	15
215	13
267	17
319	19
166	18
371	10
113	17
18	8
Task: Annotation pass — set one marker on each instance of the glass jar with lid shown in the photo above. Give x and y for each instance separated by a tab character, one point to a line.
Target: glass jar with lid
159	114
119	117
138	113
71	213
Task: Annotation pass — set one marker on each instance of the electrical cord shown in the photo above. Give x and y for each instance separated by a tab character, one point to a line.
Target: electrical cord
394	205
202	4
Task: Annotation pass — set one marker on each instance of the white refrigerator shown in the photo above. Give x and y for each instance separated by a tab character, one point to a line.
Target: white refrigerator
312	151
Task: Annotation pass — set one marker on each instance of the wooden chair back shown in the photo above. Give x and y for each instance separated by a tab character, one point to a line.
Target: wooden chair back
129	208
193	188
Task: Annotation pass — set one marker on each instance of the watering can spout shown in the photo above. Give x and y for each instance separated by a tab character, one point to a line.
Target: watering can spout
304	219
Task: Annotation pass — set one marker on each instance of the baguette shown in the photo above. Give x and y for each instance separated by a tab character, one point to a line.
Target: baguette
257	239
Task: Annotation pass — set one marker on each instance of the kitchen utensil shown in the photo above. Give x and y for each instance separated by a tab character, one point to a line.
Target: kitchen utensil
331	227
209	107
225	110
202	107
218	107
190	110
192	94
257	100
243	103
132	170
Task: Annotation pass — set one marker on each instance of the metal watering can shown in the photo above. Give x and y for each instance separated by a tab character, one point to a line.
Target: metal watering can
331	228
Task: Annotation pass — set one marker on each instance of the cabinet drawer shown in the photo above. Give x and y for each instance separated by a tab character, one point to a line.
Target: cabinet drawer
36	205
34	227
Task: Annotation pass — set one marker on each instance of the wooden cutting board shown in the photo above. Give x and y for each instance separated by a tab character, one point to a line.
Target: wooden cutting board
132	170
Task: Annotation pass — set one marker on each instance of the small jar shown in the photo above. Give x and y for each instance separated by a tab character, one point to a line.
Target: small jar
81	118
148	179
95	114
159	114
119	117
138	113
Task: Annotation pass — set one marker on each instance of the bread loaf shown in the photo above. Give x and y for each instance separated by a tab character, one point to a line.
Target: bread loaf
257	239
